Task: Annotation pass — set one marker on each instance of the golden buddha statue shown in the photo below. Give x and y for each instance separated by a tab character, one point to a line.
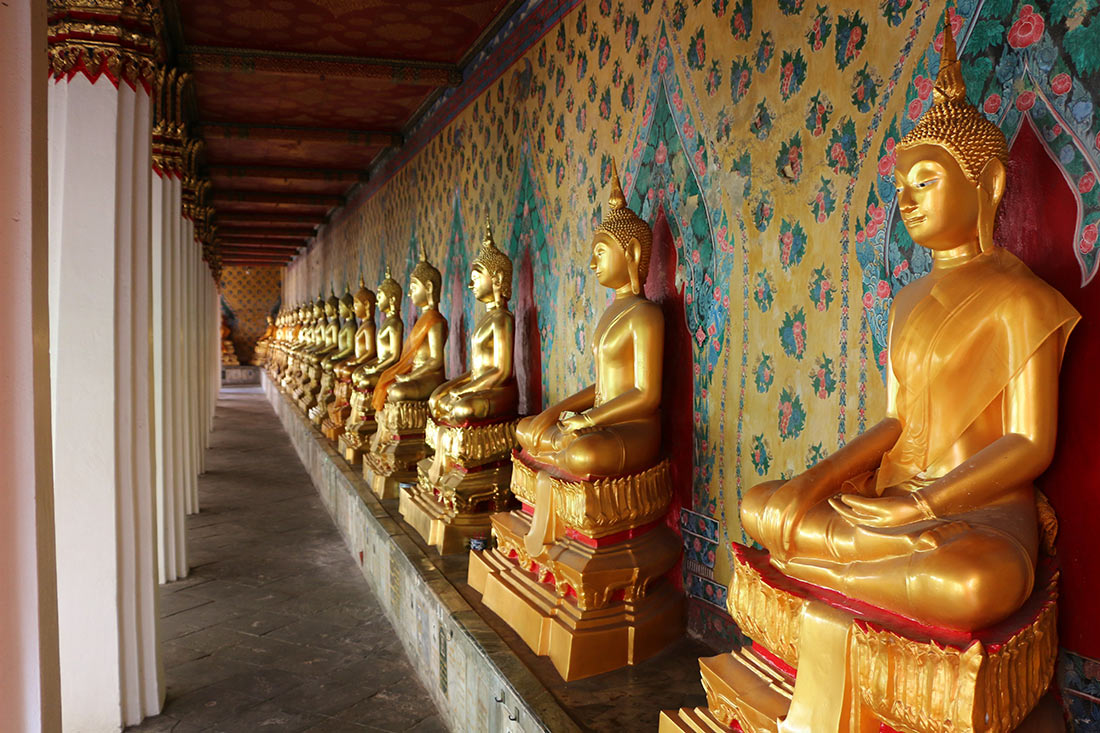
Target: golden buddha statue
229	352
309	315
345	349
907	554
401	393
259	351
360	425
471	423
365	348
325	336
577	571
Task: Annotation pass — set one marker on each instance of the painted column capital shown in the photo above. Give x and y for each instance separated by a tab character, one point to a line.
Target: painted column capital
118	38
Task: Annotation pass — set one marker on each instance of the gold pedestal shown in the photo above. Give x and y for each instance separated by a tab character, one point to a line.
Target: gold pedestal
359	427
319	410
897	673
451	502
594	599
339	409
396	448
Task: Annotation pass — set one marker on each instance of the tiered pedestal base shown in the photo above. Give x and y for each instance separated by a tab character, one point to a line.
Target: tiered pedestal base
898	675
359	428
542	607
319	411
593	599
453	507
397	447
338	411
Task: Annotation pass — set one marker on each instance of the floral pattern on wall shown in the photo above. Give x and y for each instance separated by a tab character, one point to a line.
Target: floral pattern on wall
762	132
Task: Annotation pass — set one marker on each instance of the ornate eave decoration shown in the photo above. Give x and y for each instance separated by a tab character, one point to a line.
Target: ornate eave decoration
119	38
169	127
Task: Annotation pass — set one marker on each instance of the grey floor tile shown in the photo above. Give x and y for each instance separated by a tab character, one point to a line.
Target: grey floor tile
275	629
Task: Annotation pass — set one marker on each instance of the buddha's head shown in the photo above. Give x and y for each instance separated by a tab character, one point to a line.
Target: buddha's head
491	271
364	301
304	314
389	295
347	305
621	245
319	308
950	170
332	306
425	283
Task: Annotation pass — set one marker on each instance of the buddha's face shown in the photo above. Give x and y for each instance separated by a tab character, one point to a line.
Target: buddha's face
345	312
938	203
383	301
481	284
609	262
360	308
418	292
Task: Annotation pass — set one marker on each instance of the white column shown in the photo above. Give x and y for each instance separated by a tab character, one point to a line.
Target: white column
30	695
99	161
167	223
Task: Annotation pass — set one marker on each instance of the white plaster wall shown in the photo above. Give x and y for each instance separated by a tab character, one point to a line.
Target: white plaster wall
29	676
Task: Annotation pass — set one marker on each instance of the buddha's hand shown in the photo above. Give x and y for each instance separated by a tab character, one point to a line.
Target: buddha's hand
880	511
781	518
541	423
573	423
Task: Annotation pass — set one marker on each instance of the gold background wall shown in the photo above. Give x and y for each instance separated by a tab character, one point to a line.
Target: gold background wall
250	293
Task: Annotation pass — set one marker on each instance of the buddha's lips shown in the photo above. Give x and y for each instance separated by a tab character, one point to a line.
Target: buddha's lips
911	220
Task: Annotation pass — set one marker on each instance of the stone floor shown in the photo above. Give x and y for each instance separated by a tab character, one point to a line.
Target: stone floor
275	629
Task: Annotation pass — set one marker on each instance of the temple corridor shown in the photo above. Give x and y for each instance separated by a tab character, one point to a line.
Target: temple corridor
275	628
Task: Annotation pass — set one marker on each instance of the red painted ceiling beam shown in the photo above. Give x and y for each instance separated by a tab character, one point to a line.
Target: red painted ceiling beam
261	218
288	173
231	229
237	131
276	197
247	236
256	256
399	71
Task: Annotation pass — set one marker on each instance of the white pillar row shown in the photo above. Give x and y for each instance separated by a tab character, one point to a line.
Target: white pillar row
30	694
102	368
167	227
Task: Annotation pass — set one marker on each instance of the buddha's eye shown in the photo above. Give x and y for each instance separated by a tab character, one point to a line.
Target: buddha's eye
925	184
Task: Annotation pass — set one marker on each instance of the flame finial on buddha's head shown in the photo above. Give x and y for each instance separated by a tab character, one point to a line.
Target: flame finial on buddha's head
491	259
623	225
953	123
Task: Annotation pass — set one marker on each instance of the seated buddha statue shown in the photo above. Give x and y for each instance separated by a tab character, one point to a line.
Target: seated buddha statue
931	515
615	424
577	571
364	349
360	424
229	352
259	352
309	326
326	331
345	349
401	394
489	389
471	423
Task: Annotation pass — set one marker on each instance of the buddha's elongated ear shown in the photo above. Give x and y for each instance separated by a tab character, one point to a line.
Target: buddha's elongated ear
633	253
991	189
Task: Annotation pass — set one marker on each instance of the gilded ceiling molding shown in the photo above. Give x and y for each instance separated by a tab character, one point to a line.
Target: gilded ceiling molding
116	38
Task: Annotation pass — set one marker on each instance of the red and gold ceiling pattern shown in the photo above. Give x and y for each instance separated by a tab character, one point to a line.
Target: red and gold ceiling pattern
297	98
420	30
349	103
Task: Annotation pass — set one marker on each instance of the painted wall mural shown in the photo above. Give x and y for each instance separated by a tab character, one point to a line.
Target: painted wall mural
250	294
761	134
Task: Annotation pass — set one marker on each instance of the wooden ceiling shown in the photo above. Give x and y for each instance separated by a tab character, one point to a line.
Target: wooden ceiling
297	99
